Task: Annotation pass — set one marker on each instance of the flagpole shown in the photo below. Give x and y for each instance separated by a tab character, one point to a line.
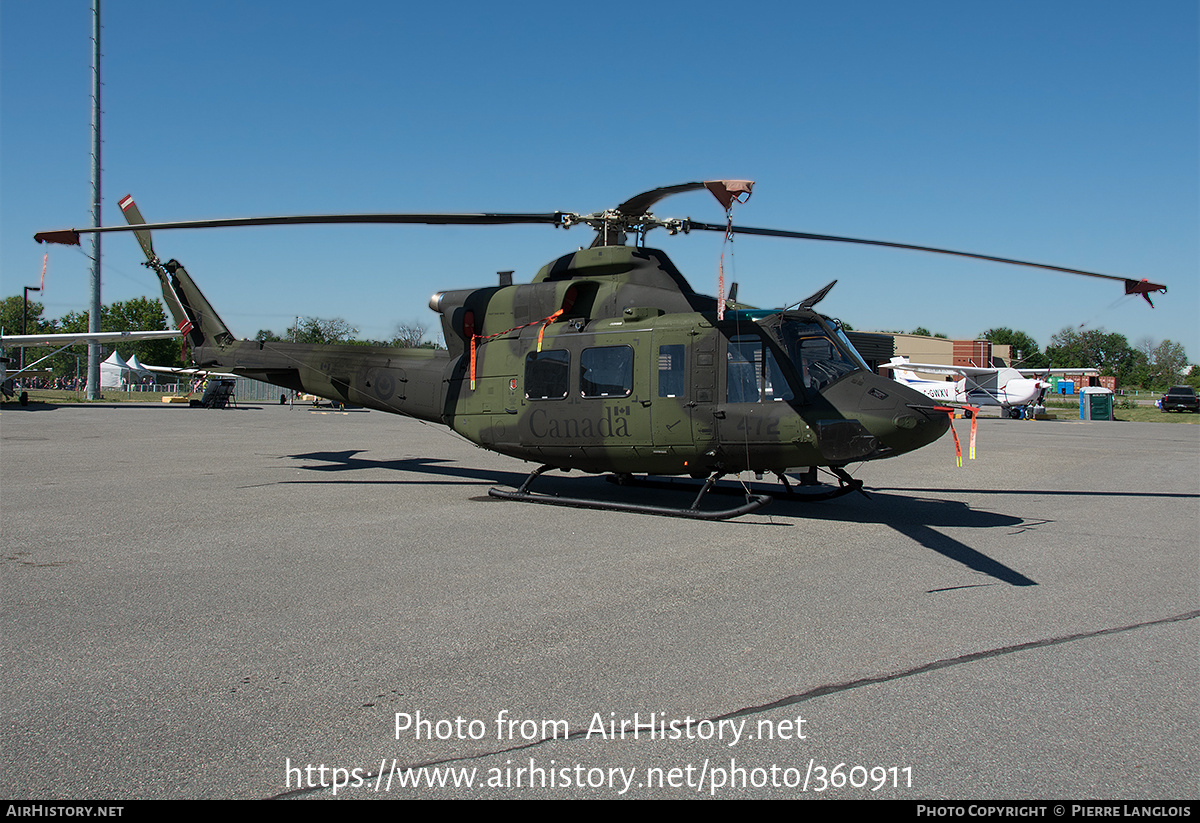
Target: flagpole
93	378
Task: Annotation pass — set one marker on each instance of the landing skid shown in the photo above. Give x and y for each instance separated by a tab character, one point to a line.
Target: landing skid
808	489
694	512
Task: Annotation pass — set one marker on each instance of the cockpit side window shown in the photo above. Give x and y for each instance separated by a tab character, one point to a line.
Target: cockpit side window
817	357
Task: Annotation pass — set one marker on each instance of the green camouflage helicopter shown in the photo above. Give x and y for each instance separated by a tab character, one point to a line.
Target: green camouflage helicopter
608	361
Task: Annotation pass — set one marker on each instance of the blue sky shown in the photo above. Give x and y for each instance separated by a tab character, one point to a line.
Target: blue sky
1059	132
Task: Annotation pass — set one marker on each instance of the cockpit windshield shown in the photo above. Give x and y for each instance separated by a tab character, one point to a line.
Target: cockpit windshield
821	355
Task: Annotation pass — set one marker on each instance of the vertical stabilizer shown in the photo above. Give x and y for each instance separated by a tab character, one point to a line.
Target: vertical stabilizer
204	326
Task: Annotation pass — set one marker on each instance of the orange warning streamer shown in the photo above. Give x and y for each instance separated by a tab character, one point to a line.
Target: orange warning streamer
473	336
971	412
974	420
545	321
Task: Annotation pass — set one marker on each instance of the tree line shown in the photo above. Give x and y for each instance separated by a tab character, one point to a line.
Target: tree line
337	330
1148	365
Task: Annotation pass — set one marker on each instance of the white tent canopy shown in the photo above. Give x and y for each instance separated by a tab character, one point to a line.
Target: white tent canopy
139	372
114	372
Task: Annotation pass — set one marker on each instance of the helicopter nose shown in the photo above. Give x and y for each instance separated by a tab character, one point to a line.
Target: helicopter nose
929	426
900	418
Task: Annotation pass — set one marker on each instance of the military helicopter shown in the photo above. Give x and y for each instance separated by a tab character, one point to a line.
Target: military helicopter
607	362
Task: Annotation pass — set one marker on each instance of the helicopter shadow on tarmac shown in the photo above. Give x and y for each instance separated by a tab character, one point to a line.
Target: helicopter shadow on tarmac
32	405
917	518
347	461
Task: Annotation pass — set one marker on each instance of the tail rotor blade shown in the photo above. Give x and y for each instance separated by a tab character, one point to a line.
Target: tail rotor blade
134	217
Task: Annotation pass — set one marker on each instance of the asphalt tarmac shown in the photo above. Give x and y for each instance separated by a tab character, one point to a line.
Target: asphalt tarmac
267	601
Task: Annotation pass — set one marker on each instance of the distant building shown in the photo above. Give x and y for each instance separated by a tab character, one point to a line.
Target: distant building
944	352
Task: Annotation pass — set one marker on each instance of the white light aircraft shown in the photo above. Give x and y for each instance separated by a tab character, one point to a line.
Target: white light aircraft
1010	389
62	340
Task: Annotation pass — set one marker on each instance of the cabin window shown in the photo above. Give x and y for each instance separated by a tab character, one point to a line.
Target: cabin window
547	374
752	374
606	371
670	371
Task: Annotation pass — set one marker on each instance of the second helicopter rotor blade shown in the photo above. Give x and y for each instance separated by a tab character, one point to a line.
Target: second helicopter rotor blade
71	236
1131	286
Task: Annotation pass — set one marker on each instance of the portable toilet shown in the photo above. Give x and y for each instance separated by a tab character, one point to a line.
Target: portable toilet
1066	386
1095	403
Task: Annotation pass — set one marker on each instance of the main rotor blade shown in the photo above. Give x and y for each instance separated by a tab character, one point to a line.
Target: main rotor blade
1142	287
70	237
641	203
726	191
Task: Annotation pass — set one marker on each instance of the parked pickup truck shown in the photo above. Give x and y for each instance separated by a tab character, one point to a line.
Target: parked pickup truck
1182	398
